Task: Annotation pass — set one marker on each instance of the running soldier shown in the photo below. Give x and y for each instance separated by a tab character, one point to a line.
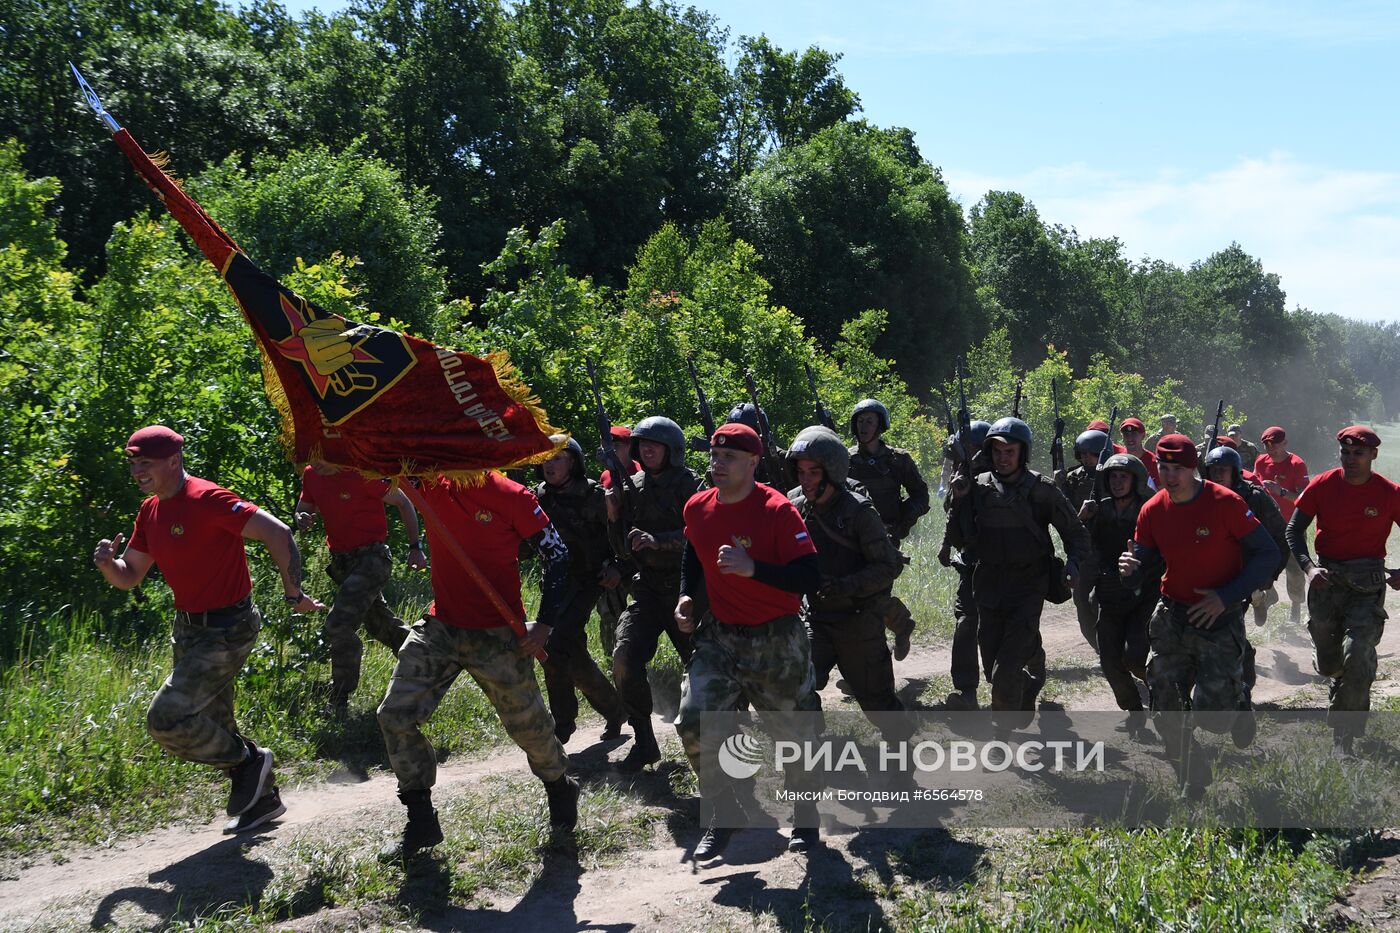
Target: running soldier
964	665
357	537
1168	426
613	600
1132	431
899	493
1285	476
575	504
1123	611
1213	554
656	542
749	549
463	630
1248	452
1225	466
1006	517
193	531
859	563
1355	508
1078	487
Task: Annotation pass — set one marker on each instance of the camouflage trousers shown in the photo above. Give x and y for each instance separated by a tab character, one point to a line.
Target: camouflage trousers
964	664
361	575
610	605
431	658
570	666
1346	623
191	716
651	612
1192	668
769	666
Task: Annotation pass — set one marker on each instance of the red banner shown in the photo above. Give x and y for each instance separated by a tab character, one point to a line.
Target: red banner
362	396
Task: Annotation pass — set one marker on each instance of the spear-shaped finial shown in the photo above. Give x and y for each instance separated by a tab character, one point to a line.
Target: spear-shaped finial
93	100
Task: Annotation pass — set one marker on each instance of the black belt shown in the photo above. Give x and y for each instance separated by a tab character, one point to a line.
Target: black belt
754	631
217	618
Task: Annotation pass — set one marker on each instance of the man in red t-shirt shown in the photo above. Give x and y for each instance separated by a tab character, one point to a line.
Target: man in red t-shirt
1134	432
1355	509
1285	476
748	548
357	536
463	630
1215	554
193	531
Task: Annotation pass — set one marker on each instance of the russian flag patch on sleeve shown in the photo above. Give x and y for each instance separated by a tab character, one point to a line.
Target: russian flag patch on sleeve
800	536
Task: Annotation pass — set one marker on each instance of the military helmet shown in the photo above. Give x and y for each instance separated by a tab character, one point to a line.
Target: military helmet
662	430
742	414
1013	429
1132	465
575	452
1090	441
1227	455
977	435
870	404
821	444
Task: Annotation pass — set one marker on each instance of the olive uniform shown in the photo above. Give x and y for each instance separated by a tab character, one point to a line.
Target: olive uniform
1078	487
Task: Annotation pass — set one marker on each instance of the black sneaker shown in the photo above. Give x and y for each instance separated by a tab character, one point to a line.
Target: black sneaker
713	843
563	802
250	781
422	832
804	840
267	808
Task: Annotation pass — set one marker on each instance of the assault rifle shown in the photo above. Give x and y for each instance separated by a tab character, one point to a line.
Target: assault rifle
621	474
823	416
965	440
1016	402
777	471
1057	446
707	420
1099	480
1214	430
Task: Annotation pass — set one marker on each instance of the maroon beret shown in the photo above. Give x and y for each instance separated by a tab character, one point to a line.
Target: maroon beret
1099	425
1358	435
1225	440
156	442
620	432
1177	449
1272	434
737	436
1131	423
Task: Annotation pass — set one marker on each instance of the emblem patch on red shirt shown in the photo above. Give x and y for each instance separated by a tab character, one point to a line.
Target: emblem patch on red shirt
1202	532
1372	511
743	541
483	516
176	530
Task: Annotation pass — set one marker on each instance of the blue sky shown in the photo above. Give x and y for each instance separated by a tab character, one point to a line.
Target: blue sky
1177	127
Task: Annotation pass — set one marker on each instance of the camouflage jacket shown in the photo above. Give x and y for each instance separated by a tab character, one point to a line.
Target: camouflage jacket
857	557
579	513
887	476
658	509
1001	531
1077	485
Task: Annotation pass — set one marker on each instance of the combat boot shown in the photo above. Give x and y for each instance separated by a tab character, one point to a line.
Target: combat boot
713	843
422	832
644	750
562	795
962	701
805	831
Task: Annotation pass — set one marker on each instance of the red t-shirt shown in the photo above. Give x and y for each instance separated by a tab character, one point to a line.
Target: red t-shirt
1200	539
606	479
1292	474
489	522
1352	521
351	506
196	538
770	529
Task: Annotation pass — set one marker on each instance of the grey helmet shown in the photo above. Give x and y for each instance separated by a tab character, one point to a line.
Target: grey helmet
1013	429
575	452
870	404
1227	455
1090	441
662	430
742	414
977	432
1134	466
822	445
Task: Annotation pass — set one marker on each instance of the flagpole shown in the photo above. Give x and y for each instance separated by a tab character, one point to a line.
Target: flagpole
517	625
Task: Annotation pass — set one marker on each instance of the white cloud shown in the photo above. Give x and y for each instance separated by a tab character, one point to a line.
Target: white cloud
1332	236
